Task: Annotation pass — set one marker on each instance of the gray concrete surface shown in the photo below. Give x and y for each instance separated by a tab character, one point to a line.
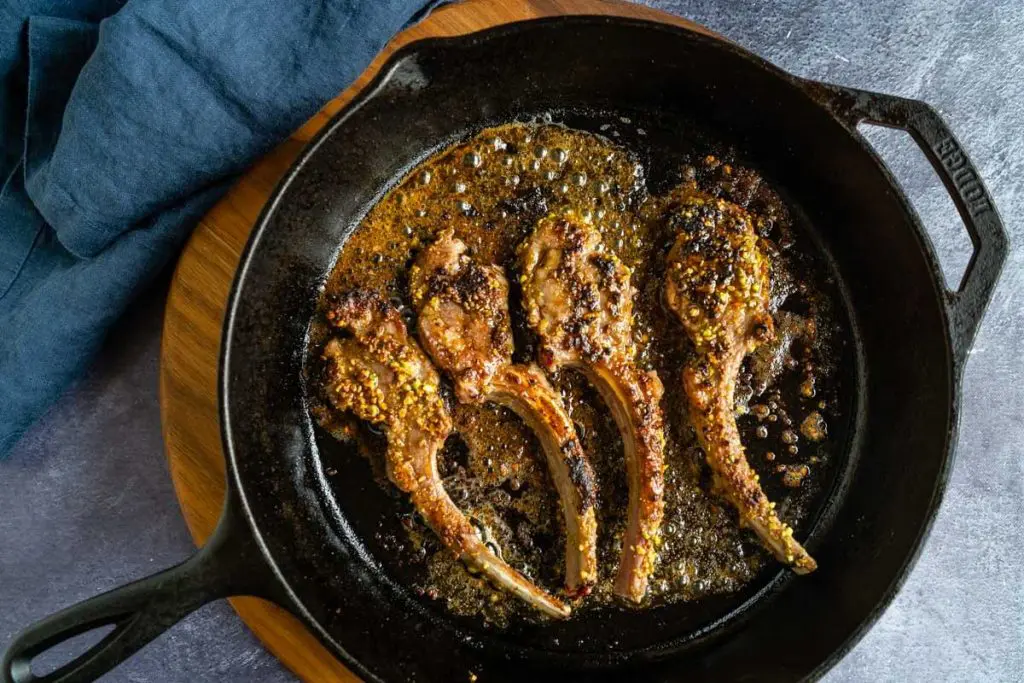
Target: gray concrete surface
86	502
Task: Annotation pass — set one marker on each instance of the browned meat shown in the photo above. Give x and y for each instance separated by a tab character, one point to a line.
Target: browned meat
464	326
376	371
717	282
579	301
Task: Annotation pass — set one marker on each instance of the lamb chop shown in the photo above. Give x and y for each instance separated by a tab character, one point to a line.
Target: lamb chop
579	301
376	371
464	325
717	283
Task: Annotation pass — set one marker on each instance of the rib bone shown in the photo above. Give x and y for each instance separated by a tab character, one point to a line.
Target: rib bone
464	325
579	301
376	371
717	283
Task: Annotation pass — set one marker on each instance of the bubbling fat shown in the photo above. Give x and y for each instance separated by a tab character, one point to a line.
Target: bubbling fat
492	188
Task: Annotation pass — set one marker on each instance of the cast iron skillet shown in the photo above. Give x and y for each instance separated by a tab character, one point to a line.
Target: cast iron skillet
283	535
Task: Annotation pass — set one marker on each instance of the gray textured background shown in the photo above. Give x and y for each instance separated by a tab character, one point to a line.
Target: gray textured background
86	501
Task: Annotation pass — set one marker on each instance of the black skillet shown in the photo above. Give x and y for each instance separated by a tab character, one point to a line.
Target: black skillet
285	537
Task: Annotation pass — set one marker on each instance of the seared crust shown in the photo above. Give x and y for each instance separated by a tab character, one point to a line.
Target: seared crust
718	284
374	370
579	301
464	324
463	313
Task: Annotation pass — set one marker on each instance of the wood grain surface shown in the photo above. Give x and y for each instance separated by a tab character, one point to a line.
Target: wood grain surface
198	297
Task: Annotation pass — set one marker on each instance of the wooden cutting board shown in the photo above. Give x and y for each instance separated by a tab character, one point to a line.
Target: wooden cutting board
198	298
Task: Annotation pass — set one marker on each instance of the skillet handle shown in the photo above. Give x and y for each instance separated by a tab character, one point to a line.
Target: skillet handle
966	306
229	564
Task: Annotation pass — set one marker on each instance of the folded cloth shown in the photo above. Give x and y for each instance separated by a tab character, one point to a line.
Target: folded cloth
122	123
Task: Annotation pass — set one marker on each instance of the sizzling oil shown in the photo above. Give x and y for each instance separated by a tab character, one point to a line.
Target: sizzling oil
491	189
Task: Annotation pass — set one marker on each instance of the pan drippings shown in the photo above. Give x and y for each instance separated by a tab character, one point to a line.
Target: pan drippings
492	189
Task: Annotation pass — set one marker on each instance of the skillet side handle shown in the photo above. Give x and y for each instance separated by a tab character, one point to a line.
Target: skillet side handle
229	564
966	306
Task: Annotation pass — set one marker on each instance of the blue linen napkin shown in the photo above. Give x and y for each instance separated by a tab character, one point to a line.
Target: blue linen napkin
122	123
